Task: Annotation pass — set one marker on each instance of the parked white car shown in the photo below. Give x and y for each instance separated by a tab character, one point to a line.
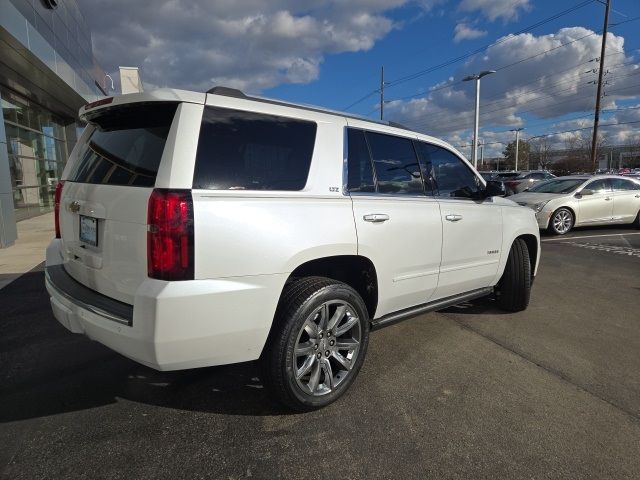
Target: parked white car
202	229
581	200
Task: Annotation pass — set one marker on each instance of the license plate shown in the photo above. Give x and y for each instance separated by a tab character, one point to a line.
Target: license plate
89	230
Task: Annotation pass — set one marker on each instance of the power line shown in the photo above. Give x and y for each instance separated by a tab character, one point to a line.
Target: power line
551	134
474	52
515	104
485	47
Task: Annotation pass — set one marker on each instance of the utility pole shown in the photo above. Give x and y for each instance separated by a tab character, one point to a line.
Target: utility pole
382	93
517	130
482	153
596	120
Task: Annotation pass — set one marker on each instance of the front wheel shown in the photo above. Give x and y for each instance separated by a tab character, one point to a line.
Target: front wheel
561	221
317	343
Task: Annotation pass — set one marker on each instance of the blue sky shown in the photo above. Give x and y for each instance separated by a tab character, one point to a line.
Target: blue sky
425	40
329	53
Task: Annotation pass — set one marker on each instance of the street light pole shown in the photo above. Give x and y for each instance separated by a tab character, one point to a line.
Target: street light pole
517	130
476	77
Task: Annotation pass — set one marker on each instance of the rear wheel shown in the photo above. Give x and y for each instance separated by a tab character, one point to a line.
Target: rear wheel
561	221
636	222
514	289
317	344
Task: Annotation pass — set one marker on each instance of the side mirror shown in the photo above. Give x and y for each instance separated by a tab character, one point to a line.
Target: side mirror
585	191
495	188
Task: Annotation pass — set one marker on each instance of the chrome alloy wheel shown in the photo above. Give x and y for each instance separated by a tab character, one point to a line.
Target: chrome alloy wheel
562	221
327	347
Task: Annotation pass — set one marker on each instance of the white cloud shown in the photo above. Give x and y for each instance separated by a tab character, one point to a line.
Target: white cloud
465	32
494	9
252	44
546	86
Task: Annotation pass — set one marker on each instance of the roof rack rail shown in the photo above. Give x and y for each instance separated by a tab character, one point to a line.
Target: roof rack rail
234	92
227	92
398	125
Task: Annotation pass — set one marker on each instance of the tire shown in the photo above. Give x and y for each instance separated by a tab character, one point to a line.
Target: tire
561	222
514	288
291	369
636	222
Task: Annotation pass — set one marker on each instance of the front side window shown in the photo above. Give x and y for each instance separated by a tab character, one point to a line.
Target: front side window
396	165
449	176
599	186
239	150
621	184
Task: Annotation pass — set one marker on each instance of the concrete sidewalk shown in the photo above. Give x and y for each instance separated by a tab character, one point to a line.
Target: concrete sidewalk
34	234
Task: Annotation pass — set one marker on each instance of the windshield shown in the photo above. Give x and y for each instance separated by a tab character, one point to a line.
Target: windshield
567	185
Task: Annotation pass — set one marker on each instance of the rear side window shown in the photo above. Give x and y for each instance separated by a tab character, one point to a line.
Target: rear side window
622	184
126	146
396	165
240	150
359	163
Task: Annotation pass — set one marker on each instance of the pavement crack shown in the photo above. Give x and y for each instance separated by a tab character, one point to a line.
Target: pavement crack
551	371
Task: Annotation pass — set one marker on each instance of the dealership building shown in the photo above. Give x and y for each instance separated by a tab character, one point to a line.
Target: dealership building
47	72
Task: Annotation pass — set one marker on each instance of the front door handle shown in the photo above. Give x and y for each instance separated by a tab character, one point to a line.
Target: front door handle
453	217
607	198
638	196
376	217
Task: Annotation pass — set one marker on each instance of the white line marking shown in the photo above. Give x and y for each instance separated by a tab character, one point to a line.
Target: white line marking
589	236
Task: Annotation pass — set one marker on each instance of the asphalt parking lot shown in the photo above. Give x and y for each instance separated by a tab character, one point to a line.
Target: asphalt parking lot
470	392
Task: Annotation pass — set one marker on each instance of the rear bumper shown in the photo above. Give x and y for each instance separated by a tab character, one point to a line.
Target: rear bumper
175	325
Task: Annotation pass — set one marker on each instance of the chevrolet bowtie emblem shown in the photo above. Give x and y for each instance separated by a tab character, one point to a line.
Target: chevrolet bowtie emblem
74	207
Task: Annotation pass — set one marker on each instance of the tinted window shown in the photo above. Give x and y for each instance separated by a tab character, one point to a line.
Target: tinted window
126	146
396	166
622	184
251	151
449	175
536	176
359	166
599	185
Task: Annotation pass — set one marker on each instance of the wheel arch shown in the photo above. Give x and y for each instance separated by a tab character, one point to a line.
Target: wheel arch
566	207
357	271
533	246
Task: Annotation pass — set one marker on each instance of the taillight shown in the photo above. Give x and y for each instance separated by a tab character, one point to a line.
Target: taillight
56	206
170	235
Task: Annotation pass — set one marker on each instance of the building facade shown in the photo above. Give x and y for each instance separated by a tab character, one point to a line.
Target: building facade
47	72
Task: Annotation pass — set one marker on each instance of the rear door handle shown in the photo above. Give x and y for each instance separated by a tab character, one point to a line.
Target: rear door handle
607	198
453	217
376	217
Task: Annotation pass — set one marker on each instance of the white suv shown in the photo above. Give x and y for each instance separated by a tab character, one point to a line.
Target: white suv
199	229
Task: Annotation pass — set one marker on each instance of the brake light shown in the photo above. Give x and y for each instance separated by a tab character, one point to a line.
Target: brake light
170	235
56	206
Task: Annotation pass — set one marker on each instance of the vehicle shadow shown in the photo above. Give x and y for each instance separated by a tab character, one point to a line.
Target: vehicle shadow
45	370
480	306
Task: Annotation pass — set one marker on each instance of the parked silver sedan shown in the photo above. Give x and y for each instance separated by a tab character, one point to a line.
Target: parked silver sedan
580	200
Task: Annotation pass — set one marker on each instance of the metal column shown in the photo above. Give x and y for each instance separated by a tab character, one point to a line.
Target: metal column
8	231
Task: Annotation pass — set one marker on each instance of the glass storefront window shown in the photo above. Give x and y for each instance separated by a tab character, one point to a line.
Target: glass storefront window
37	153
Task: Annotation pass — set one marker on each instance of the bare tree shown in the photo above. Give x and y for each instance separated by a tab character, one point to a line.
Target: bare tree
541	152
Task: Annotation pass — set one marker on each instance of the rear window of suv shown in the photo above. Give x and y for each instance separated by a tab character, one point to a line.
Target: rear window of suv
239	150
126	146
